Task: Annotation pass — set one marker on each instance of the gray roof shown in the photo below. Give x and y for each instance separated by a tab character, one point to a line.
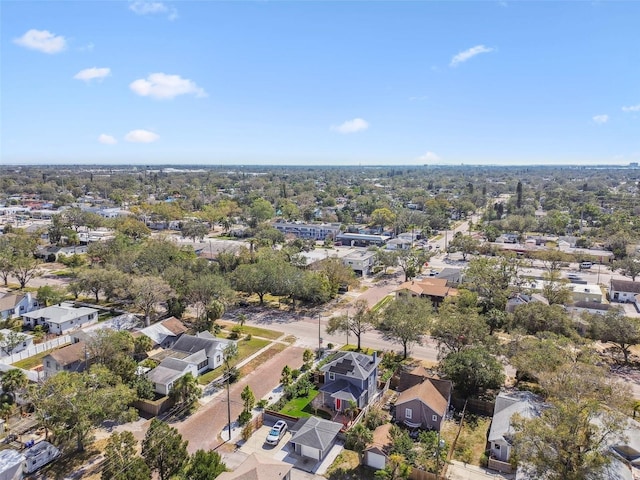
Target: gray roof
352	365
342	389
625	286
191	344
526	404
167	373
315	432
60	313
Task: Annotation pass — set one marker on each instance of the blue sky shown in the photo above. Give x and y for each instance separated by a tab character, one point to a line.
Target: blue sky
320	83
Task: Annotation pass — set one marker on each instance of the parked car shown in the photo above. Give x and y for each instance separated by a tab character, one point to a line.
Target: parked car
586	265
573	276
277	432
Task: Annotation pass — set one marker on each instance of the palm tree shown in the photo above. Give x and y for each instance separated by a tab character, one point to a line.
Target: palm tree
13	381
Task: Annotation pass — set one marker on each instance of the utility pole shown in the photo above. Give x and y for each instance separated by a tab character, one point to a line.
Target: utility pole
319	339
348	326
229	405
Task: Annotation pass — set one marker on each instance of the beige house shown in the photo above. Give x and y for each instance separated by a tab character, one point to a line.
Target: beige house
258	467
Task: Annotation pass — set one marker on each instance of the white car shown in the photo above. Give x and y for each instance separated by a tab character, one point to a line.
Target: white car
277	432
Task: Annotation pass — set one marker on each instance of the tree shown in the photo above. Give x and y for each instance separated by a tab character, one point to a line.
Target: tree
204	465
555	289
411	261
132	228
472	370
146	292
382	217
307	358
358	324
396	468
536	317
74	404
164	450
49	295
194	229
336	273
14	381
386	258
10	341
186	393
628	266
285	376
493	279
121	461
406	320
519	195
572	438
25	268
261	210
248	398
358	438
535	356
141	345
454	329
464	244
614	327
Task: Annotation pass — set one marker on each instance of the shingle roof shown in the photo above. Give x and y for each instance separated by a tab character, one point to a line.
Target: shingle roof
69	354
9	301
526	404
191	344
60	313
174	325
342	389
625	286
315	432
353	365
258	467
427	393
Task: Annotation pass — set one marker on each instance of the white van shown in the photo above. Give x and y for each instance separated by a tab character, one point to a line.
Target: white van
586	265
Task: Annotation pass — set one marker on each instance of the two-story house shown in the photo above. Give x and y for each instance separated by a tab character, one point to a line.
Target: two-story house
15	304
360	261
61	318
350	377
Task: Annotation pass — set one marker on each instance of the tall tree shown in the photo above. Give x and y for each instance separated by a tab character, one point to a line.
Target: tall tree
555	289
204	465
406	321
358	438
628	266
464	244
49	295
164	450
615	328
455	329
14	381
147	292
472	370
121	461
493	279
411	261
186	393
358	324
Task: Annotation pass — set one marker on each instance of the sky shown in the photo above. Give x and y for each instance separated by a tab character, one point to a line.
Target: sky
320	82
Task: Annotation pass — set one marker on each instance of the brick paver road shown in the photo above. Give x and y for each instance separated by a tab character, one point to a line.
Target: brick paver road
203	428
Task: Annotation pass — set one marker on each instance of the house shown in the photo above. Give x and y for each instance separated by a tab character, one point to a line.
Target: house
61	318
15	304
360	261
518	299
11	464
585	292
259	467
436	289
72	358
375	455
526	404
165	375
399	243
453	276
165	333
14	342
313	437
424	404
39	455
350	377
361	239
206	352
623	291
314	231
590	307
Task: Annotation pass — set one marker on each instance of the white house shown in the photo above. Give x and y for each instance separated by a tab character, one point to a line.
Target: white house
14	342
360	261
61	318
15	304
623	291
170	369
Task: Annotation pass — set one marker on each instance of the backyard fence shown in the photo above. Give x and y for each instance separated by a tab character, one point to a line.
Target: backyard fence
36	349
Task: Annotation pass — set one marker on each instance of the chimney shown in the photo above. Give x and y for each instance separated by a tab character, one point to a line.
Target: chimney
375	356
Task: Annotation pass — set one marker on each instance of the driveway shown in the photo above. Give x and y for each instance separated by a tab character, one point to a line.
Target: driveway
462	471
257	444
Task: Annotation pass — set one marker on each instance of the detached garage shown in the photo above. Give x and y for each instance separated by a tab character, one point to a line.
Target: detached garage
313	437
374	454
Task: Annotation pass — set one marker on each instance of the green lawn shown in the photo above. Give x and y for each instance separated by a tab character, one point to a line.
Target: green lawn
254	331
301	407
382	302
245	349
29	363
353	348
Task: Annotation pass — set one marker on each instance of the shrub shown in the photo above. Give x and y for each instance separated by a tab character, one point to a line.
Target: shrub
247	431
244	418
295	374
330	346
262	403
248	337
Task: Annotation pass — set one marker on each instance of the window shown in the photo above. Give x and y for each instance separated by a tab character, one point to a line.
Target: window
332	376
496	446
48	363
408	413
434	418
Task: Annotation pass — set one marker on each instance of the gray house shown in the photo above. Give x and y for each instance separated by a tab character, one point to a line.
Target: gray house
526	404
313	437
351	377
425	404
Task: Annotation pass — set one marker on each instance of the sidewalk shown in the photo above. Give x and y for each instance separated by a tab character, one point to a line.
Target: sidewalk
461	471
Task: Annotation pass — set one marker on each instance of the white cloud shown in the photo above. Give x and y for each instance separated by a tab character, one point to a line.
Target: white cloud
141	136
142	7
87	48
42	40
468	54
163	86
600	119
429	157
351	126
632	108
107	139
89	74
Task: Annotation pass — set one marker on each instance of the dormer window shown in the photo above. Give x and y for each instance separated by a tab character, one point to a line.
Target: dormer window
332	376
